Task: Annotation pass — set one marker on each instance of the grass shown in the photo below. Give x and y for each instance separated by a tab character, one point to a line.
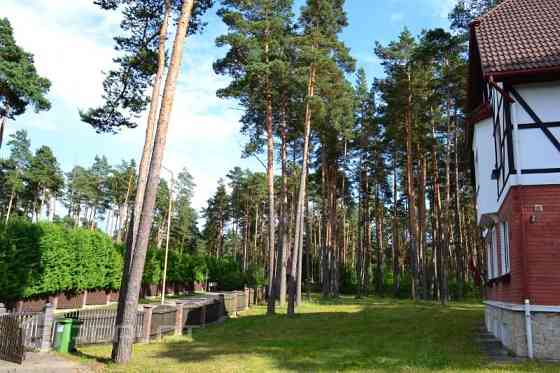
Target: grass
373	335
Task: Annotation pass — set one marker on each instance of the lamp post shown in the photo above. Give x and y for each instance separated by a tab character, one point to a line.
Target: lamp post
168	231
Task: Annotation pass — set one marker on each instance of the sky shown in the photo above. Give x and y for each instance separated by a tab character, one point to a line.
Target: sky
72	43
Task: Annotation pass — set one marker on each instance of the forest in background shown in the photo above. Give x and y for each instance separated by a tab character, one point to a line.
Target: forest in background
374	192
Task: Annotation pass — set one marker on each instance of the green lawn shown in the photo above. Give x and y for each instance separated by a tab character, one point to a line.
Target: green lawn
374	334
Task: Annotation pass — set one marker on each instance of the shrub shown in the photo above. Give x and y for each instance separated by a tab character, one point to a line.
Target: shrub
152	267
43	259
255	276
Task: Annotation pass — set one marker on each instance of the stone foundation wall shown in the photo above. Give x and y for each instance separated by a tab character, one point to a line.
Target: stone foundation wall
509	327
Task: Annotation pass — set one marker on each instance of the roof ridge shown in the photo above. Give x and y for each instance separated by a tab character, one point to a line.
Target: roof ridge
493	10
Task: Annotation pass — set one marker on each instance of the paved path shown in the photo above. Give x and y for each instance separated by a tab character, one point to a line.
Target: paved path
43	363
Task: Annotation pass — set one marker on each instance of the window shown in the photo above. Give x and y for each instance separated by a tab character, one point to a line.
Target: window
495	271
492	254
504	246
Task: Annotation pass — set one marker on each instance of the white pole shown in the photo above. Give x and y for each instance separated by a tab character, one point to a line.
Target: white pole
167	236
529	329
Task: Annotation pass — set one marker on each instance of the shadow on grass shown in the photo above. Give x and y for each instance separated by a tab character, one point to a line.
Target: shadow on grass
336	335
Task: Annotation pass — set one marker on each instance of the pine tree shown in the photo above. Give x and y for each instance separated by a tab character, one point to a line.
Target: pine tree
258	30
20	160
321	52
20	85
46	181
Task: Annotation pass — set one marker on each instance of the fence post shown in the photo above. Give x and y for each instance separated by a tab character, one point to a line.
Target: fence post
147	328
46	332
247	298
3	309
203	317
179	318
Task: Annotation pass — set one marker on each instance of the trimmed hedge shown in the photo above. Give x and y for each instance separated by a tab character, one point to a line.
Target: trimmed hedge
45	258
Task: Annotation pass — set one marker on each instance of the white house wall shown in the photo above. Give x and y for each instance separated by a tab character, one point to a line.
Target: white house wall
535	151
483	147
532	149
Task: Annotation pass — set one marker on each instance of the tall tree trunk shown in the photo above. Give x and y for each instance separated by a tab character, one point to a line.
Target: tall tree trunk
411	194
396	233
379	217
460	251
123	216
10	204
422	225
270	184
285	245
301	194
145	160
4	124
122	347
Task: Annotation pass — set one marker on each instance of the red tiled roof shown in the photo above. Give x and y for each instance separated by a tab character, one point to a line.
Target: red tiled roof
519	35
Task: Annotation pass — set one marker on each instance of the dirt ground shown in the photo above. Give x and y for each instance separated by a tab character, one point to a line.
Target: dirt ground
44	363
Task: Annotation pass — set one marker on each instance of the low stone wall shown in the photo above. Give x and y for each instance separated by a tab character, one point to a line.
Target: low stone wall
509	327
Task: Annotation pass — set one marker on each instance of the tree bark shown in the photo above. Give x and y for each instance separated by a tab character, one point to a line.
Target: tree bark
10	204
3	125
122	347
301	193
270	184
285	245
145	158
411	194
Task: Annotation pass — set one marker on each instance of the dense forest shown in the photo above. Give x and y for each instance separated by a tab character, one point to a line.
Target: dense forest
374	192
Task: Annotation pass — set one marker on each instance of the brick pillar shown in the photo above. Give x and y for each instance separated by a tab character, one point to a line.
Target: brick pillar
84	299
179	318
148	309
19	306
48	323
107	297
54	301
203	316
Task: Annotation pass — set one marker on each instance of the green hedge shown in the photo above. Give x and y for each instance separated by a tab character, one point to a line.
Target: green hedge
46	258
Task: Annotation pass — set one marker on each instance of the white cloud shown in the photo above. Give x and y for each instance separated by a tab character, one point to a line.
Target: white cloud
72	43
444	7
63	36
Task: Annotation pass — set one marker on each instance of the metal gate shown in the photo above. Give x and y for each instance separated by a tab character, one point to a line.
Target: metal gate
20	332
11	339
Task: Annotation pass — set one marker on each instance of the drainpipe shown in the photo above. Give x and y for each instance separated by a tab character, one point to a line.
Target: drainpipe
528	329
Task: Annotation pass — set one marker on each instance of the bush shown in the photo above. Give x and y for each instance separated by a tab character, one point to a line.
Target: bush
44	259
152	267
255	276
226	272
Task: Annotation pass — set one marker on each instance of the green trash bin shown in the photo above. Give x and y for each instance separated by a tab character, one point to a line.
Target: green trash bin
65	335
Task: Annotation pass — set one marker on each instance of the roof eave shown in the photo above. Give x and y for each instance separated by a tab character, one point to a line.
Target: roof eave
508	74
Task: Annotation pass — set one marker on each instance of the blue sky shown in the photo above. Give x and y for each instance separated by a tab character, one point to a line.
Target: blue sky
72	44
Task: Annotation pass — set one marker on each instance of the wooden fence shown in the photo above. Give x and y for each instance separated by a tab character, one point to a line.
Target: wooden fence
99	325
32	331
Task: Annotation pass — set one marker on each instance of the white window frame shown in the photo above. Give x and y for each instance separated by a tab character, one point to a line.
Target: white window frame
495	252
504	247
492	254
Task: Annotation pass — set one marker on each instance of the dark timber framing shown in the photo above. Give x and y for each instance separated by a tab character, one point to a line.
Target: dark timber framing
539	124
500	102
